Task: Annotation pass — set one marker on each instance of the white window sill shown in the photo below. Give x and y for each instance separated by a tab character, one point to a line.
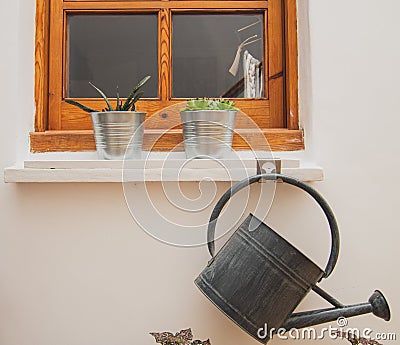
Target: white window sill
44	170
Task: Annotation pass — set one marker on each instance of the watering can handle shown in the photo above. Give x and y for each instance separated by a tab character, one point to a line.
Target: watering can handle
335	241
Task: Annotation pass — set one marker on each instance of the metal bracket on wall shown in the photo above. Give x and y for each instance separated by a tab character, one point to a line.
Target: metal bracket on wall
269	166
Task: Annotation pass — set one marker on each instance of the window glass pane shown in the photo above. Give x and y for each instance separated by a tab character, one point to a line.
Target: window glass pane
111	50
203	54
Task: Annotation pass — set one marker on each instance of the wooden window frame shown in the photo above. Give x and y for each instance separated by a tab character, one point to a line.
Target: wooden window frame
276	115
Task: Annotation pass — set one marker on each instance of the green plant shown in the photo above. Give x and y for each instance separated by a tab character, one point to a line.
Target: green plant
209	104
129	105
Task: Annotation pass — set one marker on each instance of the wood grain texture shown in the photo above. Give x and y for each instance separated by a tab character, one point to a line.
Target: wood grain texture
276	62
56	46
158	140
165	114
41	64
120	5
292	90
265	63
164	48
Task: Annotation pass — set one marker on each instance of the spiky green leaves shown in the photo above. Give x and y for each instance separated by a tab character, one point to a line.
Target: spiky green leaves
81	106
129	105
102	94
134	96
119	102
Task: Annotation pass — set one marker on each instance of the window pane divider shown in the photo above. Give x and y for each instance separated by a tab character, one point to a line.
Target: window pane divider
90	5
164	51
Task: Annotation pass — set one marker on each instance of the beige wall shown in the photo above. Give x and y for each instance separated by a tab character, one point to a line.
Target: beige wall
75	268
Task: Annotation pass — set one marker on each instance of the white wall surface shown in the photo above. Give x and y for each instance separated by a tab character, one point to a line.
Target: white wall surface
75	269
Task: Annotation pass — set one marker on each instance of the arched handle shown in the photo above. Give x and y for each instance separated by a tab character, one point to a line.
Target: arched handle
335	240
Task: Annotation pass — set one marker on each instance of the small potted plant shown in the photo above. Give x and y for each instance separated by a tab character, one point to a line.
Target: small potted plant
207	127
118	131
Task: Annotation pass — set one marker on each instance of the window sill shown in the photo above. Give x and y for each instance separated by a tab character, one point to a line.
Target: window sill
176	169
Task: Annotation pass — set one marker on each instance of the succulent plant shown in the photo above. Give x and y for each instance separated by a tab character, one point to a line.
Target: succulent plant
209	104
129	104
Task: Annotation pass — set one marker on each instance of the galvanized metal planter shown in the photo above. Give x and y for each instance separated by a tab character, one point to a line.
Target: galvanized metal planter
118	134
208	133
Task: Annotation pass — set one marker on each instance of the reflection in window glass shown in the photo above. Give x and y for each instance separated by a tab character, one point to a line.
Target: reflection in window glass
111	50
208	60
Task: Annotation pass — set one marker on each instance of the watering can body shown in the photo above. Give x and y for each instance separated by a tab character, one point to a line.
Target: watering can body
258	278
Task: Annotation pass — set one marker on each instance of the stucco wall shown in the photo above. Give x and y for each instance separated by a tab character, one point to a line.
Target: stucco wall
75	269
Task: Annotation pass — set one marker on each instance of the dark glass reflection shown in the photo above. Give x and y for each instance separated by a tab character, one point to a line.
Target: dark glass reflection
111	50
203	51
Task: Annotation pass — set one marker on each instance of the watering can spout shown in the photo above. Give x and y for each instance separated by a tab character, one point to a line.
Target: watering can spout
376	304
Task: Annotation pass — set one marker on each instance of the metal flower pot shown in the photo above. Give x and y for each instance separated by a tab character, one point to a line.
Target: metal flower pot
208	133
118	134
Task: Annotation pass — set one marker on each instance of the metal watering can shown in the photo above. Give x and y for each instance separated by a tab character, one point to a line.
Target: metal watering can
258	278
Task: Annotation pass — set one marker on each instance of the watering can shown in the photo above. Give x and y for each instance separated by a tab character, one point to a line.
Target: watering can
258	278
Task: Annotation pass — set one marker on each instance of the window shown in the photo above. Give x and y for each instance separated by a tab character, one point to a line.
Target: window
188	47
